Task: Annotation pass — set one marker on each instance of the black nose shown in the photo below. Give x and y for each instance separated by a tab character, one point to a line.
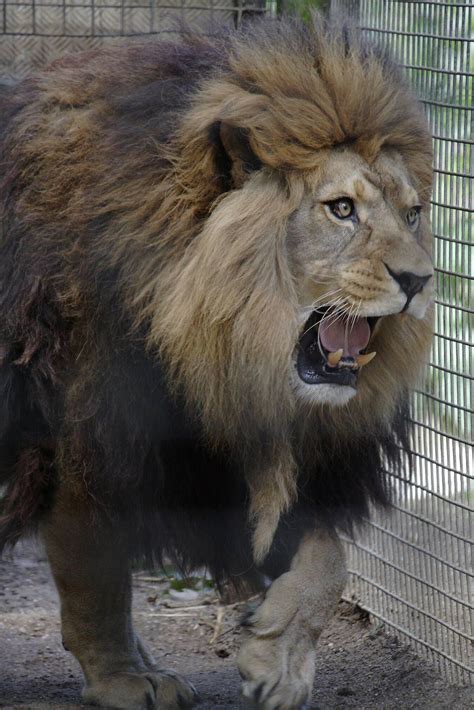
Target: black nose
411	284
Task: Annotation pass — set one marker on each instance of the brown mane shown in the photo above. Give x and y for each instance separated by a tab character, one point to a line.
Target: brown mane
199	270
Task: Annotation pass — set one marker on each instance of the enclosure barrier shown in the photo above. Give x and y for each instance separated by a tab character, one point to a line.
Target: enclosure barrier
34	32
411	569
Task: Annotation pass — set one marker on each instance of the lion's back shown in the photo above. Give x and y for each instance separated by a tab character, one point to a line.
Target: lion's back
81	145
84	146
85	129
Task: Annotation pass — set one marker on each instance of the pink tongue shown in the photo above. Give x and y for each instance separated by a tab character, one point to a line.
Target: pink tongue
333	335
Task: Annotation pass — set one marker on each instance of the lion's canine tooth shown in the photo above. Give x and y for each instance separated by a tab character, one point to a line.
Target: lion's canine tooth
334	358
365	359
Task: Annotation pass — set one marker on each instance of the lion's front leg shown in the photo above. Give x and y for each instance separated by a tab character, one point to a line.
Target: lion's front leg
277	658
91	569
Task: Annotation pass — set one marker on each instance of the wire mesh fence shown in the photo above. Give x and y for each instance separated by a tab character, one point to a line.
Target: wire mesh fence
412	569
34	32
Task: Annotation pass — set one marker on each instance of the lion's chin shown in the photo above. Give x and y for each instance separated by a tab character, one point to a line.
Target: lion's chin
324	394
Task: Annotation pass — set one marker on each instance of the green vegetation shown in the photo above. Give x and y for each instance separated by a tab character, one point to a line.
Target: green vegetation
302	8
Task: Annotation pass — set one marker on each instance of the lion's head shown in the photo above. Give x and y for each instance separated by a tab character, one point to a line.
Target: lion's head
309	163
360	248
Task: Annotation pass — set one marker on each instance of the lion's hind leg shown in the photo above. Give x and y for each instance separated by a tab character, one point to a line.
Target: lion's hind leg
91	569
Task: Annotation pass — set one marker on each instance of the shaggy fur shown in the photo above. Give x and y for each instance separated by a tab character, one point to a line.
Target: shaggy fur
149	313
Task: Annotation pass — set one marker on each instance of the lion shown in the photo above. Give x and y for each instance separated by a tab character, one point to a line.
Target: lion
216	295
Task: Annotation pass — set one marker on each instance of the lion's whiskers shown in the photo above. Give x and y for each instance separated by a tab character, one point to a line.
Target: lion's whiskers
333	304
322	300
353	314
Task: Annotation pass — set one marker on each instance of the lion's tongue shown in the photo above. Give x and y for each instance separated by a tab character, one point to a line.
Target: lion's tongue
350	336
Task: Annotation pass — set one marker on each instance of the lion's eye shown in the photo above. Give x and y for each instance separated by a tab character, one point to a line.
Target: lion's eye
413	217
342	208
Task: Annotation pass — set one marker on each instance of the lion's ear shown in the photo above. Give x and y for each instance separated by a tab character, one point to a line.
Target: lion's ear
234	156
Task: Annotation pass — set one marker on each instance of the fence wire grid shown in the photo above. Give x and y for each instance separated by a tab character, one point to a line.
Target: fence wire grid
35	32
411	569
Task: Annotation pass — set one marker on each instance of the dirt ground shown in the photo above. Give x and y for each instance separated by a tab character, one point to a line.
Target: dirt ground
358	666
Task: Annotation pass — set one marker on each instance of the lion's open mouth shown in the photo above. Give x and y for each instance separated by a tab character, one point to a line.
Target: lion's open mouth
333	348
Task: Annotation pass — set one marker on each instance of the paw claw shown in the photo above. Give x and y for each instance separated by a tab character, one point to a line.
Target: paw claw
258	692
144	691
278	671
187	702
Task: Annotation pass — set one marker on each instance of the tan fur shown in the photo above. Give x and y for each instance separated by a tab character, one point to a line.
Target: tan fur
277	657
92	574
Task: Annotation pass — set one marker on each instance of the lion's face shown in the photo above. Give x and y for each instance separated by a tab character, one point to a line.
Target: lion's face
360	249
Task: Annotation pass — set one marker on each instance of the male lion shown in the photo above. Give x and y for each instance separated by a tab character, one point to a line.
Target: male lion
204	245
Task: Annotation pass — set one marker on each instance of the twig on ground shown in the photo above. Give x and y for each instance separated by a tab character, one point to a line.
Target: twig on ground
218	625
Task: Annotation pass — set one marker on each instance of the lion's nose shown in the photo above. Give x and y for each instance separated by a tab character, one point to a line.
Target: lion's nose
410	283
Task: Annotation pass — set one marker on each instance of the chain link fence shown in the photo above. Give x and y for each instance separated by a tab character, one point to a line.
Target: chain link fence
411	569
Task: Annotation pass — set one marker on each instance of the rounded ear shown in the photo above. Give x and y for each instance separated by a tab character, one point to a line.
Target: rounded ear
233	154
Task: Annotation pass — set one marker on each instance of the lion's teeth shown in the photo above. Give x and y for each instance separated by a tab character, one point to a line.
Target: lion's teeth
334	358
365	359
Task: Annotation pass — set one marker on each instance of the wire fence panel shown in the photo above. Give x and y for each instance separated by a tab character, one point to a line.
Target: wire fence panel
34	32
413	570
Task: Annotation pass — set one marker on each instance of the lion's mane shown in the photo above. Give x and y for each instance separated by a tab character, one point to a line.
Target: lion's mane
149	314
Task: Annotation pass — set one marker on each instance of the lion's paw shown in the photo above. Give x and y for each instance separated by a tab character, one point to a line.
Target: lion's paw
278	672
158	690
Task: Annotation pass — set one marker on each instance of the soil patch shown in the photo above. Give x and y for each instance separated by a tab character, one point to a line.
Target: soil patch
358	666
